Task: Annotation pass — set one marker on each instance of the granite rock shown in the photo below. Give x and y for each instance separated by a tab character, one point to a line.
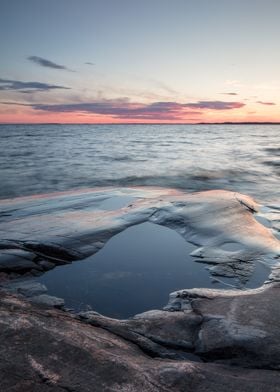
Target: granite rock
48	300
49	350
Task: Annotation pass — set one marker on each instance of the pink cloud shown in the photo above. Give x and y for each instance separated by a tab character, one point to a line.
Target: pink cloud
266	103
123	109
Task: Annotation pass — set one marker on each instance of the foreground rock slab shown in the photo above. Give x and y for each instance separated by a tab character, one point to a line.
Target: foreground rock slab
240	328
44	349
231	231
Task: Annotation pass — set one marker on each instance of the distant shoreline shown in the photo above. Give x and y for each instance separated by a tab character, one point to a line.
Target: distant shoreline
199	123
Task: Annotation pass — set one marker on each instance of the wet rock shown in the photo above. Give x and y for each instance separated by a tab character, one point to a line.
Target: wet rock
18	253
46	265
243	270
3	277
26	287
275	274
34	273
48	300
16	262
62	228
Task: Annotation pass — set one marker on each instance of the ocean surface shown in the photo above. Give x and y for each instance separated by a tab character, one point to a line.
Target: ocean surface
48	158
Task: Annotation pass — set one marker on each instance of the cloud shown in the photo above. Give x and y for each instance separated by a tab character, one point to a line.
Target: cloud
28	87
266	103
47	63
229	93
89	63
122	108
215	105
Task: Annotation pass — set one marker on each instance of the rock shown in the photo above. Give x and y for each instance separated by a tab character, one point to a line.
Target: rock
238	327
18	253
3	277
28	288
48	300
172	331
275	274
241	269
49	350
225	326
46	265
62	228
15	262
203	339
33	273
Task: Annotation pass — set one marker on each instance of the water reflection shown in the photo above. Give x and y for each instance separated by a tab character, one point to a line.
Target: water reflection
134	272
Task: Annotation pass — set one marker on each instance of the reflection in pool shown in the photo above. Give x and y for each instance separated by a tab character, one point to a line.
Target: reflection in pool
134	272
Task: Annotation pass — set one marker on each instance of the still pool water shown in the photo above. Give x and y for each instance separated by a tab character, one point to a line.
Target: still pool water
134	272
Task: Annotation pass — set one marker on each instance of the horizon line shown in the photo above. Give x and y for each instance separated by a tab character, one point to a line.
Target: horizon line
149	123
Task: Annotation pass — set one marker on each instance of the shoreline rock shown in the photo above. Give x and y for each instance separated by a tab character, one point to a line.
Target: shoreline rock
45	349
204	339
38	233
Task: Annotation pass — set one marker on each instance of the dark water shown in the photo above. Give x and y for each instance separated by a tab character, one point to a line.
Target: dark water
48	158
134	272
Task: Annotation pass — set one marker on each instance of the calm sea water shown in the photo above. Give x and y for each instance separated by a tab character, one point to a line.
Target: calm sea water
47	158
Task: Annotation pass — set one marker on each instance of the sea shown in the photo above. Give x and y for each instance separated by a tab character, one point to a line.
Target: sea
47	158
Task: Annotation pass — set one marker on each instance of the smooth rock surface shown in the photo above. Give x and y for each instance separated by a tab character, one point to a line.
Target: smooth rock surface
64	227
48	300
15	261
28	288
238	327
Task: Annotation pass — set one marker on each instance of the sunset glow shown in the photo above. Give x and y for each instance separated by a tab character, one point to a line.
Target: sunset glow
154	62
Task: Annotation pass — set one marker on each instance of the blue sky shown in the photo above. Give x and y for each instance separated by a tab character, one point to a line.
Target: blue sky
142	53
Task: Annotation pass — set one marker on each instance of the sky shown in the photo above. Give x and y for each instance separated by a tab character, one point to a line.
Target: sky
131	61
